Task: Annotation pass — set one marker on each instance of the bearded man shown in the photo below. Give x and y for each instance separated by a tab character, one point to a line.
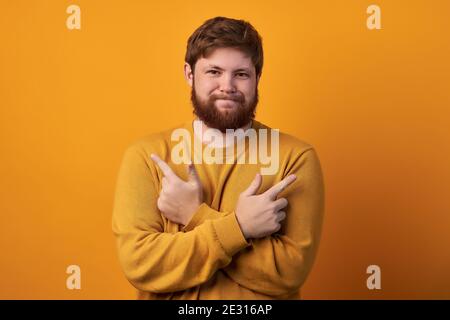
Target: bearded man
219	230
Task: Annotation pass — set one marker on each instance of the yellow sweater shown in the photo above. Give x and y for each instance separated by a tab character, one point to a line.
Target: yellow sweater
209	258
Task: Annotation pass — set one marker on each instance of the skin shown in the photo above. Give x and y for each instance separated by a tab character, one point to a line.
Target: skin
226	71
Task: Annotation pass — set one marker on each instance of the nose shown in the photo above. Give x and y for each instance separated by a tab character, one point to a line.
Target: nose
227	85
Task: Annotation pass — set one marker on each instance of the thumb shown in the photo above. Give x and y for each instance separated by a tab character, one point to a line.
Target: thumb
192	174
254	186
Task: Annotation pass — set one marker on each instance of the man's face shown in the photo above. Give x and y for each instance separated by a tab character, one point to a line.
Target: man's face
224	89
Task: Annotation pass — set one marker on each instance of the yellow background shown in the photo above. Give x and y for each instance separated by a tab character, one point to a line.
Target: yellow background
374	103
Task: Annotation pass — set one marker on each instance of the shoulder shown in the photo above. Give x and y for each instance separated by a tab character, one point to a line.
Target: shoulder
288	143
156	142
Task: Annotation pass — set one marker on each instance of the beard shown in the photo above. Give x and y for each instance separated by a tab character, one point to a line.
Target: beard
234	118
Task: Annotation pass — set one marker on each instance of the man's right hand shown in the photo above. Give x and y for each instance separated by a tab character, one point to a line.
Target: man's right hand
261	215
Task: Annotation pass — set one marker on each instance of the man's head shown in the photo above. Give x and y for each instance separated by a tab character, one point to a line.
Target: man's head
223	64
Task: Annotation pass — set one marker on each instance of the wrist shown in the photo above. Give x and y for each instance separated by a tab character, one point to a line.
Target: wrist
241	225
192	212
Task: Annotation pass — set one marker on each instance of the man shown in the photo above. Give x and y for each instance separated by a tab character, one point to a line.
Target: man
219	230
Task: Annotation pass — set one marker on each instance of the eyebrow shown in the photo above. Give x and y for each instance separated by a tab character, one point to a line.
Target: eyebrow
219	68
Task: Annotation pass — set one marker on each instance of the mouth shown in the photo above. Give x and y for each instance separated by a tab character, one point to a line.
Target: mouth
226	103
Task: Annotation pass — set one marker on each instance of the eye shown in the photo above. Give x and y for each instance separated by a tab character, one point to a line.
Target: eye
213	72
242	75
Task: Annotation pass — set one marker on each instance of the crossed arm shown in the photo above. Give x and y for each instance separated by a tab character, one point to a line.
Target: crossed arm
157	261
278	265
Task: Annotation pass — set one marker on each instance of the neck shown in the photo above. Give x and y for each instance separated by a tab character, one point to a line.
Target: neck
205	128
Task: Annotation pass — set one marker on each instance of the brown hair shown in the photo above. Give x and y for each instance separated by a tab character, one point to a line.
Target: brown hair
220	32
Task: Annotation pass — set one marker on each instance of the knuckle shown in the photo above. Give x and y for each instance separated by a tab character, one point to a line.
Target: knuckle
159	204
277	227
163	196
273	207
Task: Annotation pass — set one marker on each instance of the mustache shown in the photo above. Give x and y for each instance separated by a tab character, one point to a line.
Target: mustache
237	98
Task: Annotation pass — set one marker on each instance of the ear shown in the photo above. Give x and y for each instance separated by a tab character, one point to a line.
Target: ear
257	79
188	73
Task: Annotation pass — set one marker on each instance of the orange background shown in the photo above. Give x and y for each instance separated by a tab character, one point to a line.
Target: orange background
374	103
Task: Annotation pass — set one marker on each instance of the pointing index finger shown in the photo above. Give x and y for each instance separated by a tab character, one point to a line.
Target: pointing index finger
280	186
165	168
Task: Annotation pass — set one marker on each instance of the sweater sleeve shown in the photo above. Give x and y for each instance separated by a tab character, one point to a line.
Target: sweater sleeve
156	261
278	265
203	213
